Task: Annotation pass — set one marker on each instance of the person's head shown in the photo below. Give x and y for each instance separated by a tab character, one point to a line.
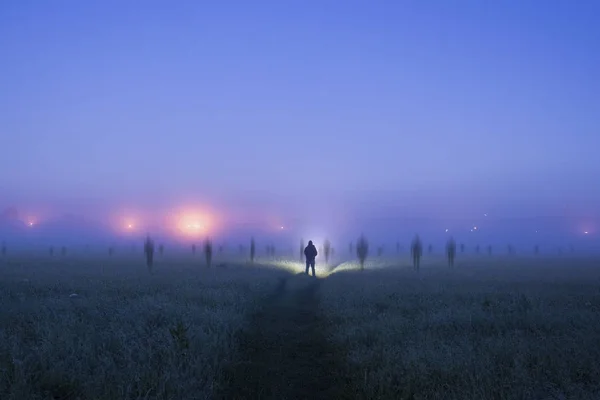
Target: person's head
310	243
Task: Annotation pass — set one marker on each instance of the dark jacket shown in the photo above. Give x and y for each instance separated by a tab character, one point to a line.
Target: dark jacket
310	252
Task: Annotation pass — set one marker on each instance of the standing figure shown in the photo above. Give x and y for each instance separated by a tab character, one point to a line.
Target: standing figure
451	251
149	251
416	251
310	253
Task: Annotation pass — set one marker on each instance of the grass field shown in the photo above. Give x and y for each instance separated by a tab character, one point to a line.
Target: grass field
491	328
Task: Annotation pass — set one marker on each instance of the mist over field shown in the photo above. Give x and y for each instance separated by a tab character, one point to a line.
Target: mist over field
299	200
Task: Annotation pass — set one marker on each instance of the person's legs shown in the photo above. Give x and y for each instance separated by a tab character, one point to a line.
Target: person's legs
307	266
312	265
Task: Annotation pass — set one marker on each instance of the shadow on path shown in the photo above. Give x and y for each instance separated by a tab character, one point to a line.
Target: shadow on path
285	353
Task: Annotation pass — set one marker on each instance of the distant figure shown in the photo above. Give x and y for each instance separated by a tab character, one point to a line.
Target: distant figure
430	249
477	249
310	253
536	249
149	251
327	250
462	247
301	248
451	251
416	251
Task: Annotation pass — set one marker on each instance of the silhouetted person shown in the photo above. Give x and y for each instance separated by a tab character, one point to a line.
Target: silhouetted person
536	249
451	251
477	249
462	247
430	249
416	251
327	250
310	253
149	251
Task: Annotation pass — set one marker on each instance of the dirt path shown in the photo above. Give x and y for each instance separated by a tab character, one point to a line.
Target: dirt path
285	353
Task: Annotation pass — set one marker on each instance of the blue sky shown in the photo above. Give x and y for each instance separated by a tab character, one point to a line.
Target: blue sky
302	109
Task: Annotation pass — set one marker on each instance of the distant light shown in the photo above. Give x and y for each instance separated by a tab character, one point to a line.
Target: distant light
446	230
130	226
475	228
282	227
471	230
31	224
586	232
485	215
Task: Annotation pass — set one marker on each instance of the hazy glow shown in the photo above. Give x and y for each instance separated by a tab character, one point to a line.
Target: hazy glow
193	223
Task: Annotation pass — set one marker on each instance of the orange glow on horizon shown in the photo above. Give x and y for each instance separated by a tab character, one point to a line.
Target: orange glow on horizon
193	223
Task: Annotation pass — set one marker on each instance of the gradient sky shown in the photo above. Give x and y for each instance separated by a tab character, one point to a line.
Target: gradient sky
296	108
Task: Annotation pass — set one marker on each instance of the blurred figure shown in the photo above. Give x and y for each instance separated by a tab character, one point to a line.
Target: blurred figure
362	250
149	251
208	251
310	253
327	250
462	247
430	249
477	249
536	249
252	250
416	251
301	249
451	251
